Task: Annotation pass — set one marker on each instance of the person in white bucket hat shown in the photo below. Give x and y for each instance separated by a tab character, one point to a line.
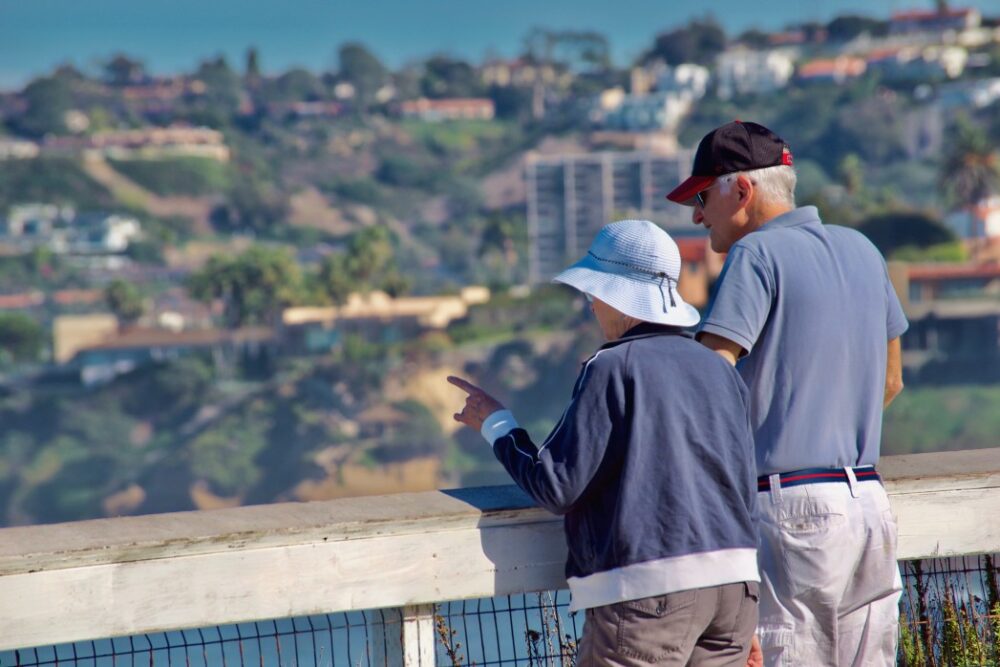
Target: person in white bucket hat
651	465
634	267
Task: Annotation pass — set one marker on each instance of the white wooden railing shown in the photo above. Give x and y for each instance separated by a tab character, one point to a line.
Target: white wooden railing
113	577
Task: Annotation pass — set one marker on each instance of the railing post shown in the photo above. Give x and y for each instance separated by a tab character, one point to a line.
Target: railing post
403	637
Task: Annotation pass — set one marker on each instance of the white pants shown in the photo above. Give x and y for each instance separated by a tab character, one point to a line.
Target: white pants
830	582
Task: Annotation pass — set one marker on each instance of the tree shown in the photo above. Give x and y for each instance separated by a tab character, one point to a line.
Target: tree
698	42
754	39
899	229
511	102
253	286
359	67
847	27
251	74
252	204
402	171
579	51
47	101
368	262
851	174
124	300
871	128
970	171
21	337
419	435
123	71
449	77
223	88
294	85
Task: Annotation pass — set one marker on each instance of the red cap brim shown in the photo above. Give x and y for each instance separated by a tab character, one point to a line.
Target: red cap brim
684	193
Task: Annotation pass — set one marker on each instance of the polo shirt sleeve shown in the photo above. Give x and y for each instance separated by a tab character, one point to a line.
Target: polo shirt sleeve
895	319
743	299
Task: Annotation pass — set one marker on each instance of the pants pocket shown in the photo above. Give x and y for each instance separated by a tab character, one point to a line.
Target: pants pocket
747	614
808	544
652	628
776	645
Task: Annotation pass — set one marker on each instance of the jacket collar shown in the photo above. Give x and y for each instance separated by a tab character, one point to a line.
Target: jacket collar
647	329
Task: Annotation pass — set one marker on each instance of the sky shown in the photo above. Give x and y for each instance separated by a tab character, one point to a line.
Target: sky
175	35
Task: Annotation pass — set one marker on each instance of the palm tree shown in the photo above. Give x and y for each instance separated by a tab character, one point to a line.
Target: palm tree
970	172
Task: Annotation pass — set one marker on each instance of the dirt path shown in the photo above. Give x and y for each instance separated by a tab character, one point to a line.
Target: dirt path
130	193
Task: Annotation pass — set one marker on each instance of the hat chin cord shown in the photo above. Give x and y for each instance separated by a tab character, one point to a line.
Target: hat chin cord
670	281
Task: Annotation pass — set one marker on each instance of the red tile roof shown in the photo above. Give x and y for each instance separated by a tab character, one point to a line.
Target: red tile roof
21	300
69	297
933	272
692	249
929	15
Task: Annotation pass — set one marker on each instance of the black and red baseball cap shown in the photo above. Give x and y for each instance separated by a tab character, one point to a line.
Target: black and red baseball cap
735	146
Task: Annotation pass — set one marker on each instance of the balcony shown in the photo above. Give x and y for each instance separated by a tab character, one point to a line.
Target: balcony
400	554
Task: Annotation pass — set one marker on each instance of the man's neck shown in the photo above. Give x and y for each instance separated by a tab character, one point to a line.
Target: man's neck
767	212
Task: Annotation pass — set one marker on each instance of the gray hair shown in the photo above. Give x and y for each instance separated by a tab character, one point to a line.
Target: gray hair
774	184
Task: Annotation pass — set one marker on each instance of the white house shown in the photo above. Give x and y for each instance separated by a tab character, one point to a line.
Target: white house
649	113
17	149
741	71
686	79
981	221
103	233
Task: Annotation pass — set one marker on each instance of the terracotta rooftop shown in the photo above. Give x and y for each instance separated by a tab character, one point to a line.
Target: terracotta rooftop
692	249
831	67
928	272
68	297
21	300
929	15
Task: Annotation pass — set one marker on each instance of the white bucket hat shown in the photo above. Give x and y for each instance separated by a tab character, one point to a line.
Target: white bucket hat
633	266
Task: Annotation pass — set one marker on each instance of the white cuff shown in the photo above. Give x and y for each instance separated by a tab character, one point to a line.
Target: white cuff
497	425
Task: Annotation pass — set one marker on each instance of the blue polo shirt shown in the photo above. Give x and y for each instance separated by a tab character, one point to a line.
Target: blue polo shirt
813	308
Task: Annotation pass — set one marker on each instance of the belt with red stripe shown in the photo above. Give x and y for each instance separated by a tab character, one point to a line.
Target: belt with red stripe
819	476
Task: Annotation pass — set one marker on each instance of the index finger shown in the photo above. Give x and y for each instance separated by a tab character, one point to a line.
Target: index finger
464	385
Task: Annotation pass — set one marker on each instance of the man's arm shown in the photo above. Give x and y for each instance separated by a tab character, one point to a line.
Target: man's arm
893	372
726	348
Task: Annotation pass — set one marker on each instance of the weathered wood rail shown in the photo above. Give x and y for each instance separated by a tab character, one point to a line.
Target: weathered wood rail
113	577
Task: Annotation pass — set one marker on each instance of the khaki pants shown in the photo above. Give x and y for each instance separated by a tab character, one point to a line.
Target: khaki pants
830	582
703	627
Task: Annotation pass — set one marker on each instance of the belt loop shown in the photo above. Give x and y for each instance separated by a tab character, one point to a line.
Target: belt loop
852	480
775	482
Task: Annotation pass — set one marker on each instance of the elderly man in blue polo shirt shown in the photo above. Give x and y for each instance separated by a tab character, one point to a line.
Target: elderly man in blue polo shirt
807	314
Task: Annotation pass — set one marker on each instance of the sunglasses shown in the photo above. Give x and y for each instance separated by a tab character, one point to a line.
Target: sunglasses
700	197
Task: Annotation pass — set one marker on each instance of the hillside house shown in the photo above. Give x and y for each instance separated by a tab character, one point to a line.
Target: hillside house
376	317
742	71
474	108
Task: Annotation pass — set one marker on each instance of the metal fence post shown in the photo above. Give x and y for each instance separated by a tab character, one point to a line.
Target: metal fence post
403	637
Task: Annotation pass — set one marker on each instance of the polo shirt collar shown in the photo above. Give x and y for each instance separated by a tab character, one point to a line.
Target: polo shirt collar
802	215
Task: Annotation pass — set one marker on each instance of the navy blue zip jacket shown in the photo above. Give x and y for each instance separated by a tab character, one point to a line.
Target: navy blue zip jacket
652	465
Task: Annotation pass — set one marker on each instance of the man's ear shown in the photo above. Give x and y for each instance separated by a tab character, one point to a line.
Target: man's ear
744	189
